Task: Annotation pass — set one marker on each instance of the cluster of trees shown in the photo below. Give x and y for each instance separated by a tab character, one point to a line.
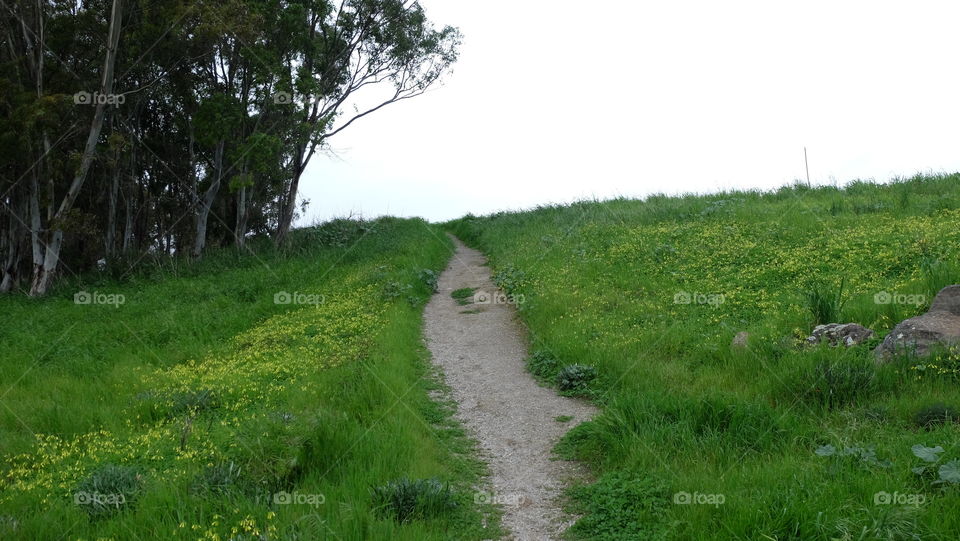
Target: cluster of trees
134	126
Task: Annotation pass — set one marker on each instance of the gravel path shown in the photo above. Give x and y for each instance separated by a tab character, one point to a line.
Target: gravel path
482	357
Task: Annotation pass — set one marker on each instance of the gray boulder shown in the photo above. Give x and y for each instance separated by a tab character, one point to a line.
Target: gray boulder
917	335
847	334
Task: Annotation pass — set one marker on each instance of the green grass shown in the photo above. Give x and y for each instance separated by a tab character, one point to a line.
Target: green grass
650	294
464	295
216	411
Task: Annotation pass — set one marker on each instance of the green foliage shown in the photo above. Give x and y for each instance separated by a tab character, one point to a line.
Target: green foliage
218	479
464	295
864	455
430	278
825	303
837	383
409	499
620	507
933	468
543	364
935	415
576	378
109	489
509	279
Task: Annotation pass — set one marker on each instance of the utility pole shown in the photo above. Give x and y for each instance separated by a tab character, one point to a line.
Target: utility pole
807	165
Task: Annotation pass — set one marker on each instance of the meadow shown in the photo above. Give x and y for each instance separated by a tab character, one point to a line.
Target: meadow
634	304
263	394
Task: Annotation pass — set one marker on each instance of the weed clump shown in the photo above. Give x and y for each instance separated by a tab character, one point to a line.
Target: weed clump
576	378
407	499
430	278
935	415
108	490
833	384
825	303
542	364
621	506
463	296
217	479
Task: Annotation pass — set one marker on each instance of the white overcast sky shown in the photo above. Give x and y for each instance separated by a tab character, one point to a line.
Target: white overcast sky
554	100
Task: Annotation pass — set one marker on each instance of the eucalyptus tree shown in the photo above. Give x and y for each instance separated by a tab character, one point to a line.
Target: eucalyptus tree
135	128
345	48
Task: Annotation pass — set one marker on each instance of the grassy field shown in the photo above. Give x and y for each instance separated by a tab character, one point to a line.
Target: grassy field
698	440
282	395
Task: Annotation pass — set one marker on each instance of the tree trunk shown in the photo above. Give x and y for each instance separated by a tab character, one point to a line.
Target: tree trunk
240	231
11	265
288	207
199	241
111	239
43	274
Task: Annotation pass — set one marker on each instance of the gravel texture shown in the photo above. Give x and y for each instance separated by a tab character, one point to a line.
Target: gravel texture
512	417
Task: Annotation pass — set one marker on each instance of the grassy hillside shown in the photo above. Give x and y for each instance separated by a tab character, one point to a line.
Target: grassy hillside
199	407
650	294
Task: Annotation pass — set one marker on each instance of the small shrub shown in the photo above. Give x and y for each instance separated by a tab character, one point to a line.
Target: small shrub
576	378
834	384
341	232
543	364
935	415
409	499
394	290
509	279
825	303
430	278
217	479
108	490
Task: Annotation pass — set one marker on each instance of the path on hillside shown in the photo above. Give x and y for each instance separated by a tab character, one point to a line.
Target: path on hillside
512	417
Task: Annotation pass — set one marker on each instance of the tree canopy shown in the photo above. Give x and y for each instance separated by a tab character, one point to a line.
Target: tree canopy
131	128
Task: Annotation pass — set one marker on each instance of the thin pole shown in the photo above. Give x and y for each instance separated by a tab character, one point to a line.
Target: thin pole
807	165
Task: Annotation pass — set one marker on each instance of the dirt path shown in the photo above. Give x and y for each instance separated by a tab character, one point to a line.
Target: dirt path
482	356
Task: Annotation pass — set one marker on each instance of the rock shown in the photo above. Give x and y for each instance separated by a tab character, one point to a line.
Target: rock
848	334
939	326
741	340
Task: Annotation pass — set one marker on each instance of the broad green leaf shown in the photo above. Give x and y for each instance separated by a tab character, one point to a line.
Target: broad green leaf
826	450
928	454
950	472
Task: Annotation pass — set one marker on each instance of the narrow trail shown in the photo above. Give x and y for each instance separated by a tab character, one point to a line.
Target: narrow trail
512	417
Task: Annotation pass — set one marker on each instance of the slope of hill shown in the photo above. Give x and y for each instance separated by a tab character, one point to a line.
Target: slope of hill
282	395
701	440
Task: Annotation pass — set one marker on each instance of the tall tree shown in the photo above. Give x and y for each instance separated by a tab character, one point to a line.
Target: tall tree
47	245
362	44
